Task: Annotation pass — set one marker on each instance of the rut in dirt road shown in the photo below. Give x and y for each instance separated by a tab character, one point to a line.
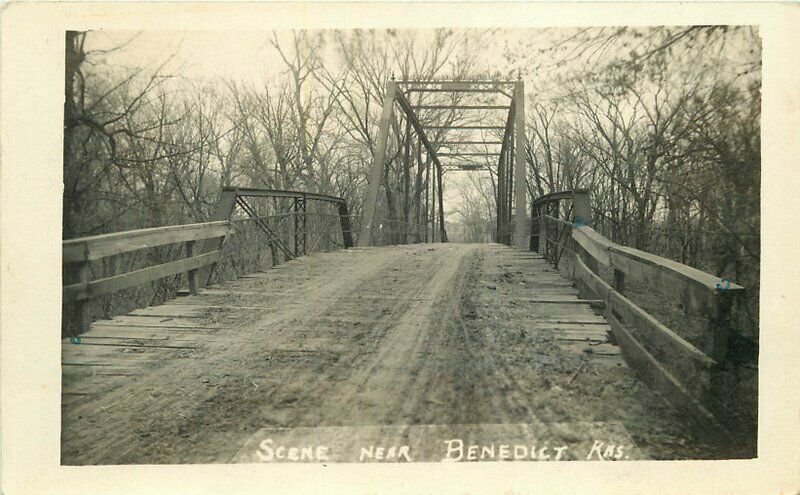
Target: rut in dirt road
403	335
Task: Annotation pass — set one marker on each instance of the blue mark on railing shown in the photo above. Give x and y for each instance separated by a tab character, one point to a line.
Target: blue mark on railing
75	340
724	284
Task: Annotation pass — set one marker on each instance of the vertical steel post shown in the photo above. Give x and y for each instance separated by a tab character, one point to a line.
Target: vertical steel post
502	227
521	192
406	181
510	195
420	217
442	230
296	215
303	208
376	175
433	206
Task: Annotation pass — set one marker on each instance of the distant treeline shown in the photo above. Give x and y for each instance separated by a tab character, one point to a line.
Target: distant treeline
661	124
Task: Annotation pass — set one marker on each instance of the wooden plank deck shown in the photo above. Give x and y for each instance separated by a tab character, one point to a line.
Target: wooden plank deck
323	352
549	304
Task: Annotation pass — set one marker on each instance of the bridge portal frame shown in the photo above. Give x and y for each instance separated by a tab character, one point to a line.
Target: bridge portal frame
512	190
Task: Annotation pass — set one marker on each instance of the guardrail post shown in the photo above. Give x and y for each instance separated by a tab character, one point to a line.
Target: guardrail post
535	224
542	241
543	210
85	318
581	207
192	274
223	211
619	281
720	325
552	211
552	240
582	215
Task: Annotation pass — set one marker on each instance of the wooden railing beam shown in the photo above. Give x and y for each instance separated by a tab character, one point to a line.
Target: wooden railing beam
108	285
102	246
199	261
699	293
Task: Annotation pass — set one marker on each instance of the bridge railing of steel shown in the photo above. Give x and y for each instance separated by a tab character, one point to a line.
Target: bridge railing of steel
562	226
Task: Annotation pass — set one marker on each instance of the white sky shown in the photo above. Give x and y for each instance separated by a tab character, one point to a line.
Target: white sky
208	55
240	55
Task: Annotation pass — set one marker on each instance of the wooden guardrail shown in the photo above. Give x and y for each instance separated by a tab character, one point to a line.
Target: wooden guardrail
656	352
83	251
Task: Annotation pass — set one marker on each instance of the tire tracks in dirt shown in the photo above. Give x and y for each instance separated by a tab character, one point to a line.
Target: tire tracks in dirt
171	413
402	335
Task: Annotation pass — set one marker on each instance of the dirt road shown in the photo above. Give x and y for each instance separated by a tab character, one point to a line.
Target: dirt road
404	335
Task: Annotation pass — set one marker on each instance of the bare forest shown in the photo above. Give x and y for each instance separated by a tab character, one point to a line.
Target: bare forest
662	125
654	133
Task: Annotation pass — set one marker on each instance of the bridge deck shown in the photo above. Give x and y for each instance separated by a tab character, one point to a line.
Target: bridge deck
402	335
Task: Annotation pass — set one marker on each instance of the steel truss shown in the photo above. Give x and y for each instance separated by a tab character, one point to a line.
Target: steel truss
232	197
511	189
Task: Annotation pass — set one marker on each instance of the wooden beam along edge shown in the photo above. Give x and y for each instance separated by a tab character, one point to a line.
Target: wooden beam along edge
655	331
642	361
556	196
696	290
101	246
108	285
549	218
655	375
